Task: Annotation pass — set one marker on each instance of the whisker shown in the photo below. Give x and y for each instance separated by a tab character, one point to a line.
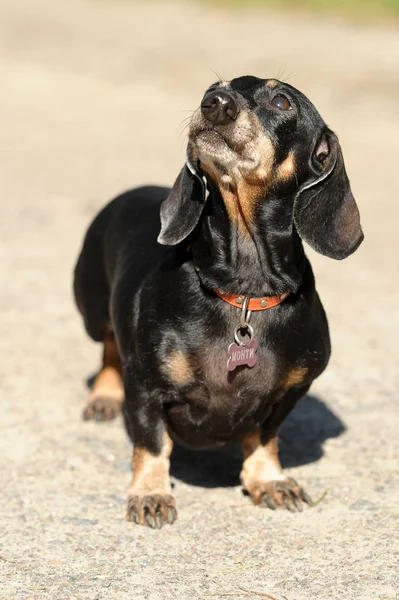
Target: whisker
185	119
185	122
217	75
185	127
290	76
183	131
280	73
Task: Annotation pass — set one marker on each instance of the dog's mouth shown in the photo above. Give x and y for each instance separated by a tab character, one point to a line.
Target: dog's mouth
226	145
202	132
211	137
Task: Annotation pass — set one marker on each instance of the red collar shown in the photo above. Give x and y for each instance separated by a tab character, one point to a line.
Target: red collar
253	303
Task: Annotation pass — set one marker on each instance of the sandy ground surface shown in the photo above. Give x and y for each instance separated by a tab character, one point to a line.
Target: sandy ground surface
92	99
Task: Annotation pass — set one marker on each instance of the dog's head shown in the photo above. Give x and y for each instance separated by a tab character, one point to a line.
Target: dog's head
259	141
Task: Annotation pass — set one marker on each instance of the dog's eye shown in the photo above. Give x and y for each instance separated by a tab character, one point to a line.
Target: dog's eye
281	102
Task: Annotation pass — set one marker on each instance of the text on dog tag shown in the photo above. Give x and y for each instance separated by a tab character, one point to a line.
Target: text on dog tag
242	354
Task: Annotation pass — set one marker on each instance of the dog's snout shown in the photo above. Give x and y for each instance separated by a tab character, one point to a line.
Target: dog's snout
220	108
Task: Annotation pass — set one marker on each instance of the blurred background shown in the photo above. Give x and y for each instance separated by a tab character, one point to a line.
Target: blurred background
94	100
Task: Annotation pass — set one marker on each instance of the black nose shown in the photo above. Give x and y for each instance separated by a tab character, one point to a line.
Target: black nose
220	108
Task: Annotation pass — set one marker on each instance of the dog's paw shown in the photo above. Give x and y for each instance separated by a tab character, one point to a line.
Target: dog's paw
285	493
151	510
102	409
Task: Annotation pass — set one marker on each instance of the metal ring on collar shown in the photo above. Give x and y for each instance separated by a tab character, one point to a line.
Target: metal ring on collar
245	314
248	328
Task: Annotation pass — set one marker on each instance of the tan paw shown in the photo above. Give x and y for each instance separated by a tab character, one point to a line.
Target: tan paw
102	408
284	493
151	510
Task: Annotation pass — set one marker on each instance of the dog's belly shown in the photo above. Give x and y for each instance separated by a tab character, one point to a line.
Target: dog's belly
204	418
212	431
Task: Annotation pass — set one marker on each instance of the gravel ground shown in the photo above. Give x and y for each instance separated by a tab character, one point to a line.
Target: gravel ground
93	95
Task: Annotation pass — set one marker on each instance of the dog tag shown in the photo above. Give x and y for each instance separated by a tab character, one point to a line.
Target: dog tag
242	354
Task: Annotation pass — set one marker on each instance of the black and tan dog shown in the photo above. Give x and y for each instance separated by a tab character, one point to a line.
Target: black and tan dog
173	308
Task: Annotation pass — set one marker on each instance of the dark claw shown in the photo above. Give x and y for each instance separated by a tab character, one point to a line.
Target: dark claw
149	519
268	501
132	513
158	520
134	516
172	515
288	503
306	498
298	503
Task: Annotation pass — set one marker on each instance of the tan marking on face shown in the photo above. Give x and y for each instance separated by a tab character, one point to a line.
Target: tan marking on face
294	377
261	465
241	166
272	83
246	183
241	203
150	471
287	168
178	368
194	154
225	83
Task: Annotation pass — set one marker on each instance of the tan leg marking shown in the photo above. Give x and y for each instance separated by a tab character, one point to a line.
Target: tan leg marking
106	395
263	477
149	500
261	465
178	368
294	377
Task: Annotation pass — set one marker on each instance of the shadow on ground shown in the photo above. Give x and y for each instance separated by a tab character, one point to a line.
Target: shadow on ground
301	442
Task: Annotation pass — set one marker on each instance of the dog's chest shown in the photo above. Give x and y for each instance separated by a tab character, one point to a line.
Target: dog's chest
214	406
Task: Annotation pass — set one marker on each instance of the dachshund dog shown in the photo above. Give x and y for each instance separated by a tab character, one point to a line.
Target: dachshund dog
203	298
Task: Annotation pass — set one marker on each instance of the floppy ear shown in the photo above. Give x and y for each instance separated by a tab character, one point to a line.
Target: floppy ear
325	213
181	210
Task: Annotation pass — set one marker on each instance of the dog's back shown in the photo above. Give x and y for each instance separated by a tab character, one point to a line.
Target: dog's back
123	235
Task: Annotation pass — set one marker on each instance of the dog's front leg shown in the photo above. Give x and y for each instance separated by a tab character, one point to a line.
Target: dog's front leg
149	501
263	477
